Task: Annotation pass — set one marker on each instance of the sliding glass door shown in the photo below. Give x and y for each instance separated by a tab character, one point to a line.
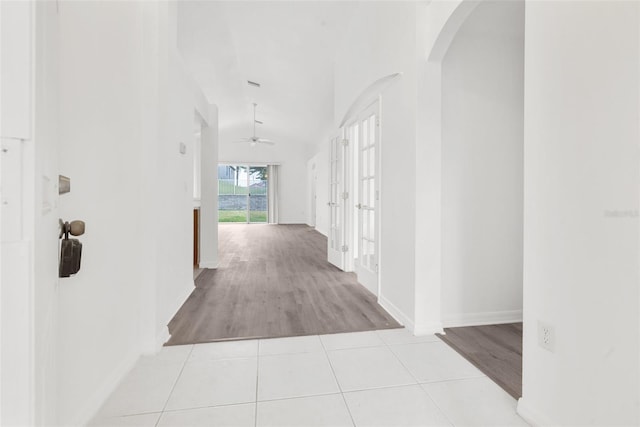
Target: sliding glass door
257	194
242	194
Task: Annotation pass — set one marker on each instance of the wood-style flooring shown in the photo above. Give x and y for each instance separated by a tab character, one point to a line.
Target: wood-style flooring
274	281
494	349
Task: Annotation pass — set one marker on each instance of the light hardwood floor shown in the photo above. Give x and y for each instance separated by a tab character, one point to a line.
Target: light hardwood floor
274	281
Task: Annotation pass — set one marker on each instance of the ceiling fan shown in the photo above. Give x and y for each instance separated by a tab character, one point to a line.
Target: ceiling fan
254	140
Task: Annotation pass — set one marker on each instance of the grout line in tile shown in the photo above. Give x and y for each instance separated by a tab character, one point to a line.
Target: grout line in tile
335	377
208	406
125	415
452	380
357	390
357	347
174	383
419	381
204	359
402	364
420	385
406	344
444	414
292	352
298	397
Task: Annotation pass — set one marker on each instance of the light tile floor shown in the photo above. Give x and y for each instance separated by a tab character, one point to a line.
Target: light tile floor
381	378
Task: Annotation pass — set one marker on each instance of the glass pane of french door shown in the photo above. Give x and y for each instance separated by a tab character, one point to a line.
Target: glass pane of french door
367	236
366	263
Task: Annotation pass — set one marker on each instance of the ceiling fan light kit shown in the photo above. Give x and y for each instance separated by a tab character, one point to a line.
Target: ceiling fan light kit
255	140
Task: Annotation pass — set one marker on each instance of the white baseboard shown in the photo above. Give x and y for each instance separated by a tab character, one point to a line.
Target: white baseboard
428	329
321	231
486	318
396	313
162	337
208	264
163	334
531	416
102	393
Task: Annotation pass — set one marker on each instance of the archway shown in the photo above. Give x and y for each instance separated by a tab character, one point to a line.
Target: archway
473	109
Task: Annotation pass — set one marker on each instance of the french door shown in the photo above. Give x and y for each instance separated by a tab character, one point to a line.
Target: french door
338	195
354	198
366	218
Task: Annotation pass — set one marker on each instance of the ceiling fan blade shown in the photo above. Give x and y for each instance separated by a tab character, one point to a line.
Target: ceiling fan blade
266	141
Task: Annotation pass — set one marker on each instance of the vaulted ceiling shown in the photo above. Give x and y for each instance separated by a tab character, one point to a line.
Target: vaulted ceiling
286	46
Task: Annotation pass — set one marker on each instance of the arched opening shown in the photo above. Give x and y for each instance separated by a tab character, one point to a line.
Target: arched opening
476	68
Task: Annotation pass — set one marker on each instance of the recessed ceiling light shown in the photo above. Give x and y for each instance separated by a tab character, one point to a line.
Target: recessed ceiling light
253	83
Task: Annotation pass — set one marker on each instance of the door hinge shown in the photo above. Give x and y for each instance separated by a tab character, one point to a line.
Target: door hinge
345	142
345	248
376	268
377	122
377	194
345	195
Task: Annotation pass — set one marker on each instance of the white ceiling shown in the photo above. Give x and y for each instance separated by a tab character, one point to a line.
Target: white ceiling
286	46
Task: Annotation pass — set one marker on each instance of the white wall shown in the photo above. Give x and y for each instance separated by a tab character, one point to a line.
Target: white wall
125	106
581	212
292	159
381	41
209	194
99	133
482	176
174	189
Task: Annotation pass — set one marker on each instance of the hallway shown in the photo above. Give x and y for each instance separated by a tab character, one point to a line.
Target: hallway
274	281
384	378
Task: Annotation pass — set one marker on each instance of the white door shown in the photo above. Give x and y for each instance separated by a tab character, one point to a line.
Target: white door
366	262
336	246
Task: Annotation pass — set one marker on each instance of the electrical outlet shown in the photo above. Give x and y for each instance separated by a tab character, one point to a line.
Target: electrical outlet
546	336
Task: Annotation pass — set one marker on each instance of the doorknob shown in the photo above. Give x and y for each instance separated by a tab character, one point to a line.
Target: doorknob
75	228
359	206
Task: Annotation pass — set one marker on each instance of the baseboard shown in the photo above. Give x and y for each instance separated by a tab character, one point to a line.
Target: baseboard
321	231
486	318
396	313
103	392
531	416
162	337
205	264
428	329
